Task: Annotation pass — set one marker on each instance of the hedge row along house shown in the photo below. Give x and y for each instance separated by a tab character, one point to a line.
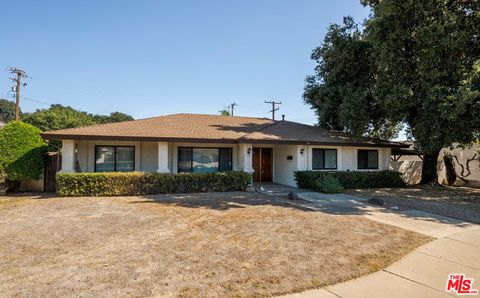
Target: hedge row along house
196	143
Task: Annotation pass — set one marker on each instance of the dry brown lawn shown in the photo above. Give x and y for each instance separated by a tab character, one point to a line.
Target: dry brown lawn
459	202
197	245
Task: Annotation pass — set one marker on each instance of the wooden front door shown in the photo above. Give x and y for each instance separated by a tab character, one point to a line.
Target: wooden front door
262	164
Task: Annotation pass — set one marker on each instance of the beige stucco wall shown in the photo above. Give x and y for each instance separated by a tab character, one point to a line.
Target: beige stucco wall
146	154
146	157
411	166
411	170
149	156
33	185
346	160
284	168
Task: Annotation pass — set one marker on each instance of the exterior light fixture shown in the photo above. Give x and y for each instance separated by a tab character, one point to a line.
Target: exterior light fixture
302	151
249	150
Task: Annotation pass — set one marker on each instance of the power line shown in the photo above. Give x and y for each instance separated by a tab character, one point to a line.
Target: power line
36	100
273	103
20	74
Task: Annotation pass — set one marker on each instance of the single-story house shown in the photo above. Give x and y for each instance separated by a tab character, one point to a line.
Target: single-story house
271	150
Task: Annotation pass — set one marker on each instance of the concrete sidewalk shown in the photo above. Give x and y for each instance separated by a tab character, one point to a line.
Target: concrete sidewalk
422	273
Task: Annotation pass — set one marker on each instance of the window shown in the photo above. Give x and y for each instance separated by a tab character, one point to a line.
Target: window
114	158
367	159
324	159
204	160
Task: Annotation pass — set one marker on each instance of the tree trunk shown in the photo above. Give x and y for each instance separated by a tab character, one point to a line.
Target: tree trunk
450	172
429	168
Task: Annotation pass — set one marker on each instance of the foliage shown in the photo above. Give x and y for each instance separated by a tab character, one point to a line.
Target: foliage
60	117
350	179
428	72
7	110
138	183
327	184
426	57
22	150
341	91
112	118
224	112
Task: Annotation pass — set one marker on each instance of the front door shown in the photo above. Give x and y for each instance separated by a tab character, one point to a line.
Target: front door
262	164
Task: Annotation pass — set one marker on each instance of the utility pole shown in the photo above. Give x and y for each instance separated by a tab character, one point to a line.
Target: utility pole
232	106
273	107
20	74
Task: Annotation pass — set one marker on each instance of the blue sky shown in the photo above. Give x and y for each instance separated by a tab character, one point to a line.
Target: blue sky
149	58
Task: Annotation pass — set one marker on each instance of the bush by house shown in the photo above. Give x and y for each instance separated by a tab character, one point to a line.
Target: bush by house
321	181
137	183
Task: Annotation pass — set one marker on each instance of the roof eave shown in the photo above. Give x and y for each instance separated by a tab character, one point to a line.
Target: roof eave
299	142
58	137
51	136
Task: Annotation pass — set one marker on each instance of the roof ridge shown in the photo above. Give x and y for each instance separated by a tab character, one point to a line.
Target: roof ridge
214	115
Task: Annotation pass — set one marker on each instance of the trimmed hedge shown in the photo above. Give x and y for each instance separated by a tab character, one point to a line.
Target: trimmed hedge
328	184
351	179
138	183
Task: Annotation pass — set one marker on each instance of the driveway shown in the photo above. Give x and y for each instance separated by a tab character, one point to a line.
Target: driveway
422	273
423	222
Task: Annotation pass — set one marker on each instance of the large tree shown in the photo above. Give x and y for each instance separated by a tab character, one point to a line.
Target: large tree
341	91
427	56
426	74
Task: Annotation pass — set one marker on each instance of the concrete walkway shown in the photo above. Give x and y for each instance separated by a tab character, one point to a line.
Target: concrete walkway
422	273
430	224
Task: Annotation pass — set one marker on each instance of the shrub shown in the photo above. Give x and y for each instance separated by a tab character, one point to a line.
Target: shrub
351	179
328	184
22	151
138	183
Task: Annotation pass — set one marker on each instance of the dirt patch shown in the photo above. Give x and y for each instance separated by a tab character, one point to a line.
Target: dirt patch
197	245
458	202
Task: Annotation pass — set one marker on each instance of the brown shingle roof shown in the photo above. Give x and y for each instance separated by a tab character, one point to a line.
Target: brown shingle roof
212	128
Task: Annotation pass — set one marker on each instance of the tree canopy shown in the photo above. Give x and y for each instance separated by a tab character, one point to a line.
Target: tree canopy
7	110
60	117
342	89
224	112
415	63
